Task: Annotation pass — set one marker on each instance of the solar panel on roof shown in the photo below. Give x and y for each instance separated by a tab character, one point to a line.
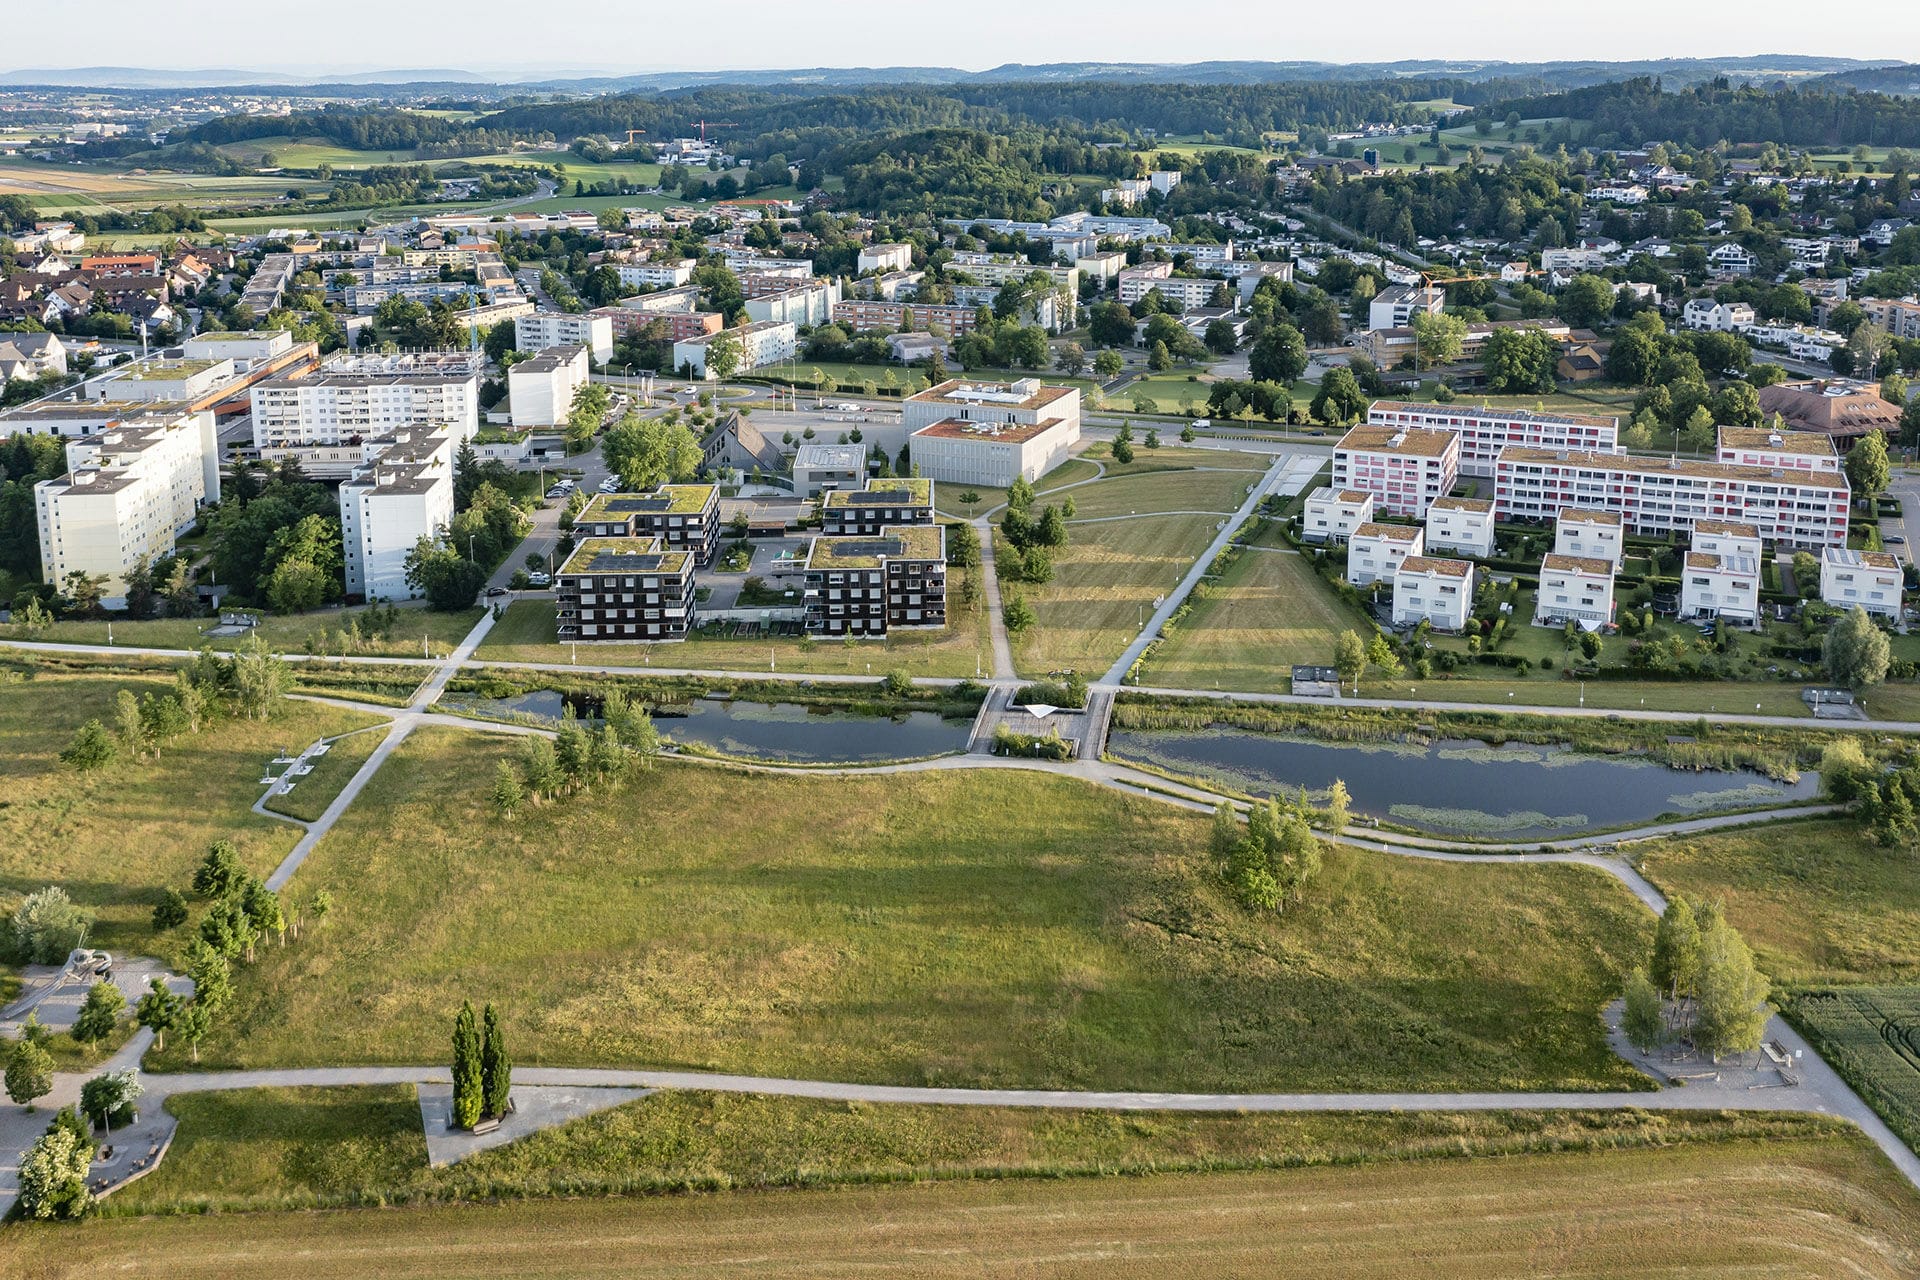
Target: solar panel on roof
879	497
869	547
618	562
625	506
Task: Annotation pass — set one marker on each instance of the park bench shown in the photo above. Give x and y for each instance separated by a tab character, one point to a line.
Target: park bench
486	1126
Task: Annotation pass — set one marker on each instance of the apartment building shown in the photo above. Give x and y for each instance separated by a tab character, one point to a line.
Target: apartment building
540	390
988	433
864	512
1331	515
1388	348
884	257
1484	431
1656	495
868	586
807	304
244	351
821	468
685	517
761	343
1721	575
745	262
629	323
1596	535
627	589
1574	588
546	329
1185	292
1778	450
402	492
1842	408
1395	306
864	315
1404	468
1870	579
1375	551
670	274
1435	591
178	381
1716	317
130	490
363	397
1463	525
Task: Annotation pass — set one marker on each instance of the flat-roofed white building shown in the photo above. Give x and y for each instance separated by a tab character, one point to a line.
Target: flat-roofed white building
545	329
163	380
402	492
819	467
884	257
1574	588
130	490
1870	579
1778	450
1484	432
655	275
366	397
1721	574
540	391
807	304
1375	551
1331	515
1432	590
1658	495
1404	468
1464	525
1597	535
988	433
761	343
244	349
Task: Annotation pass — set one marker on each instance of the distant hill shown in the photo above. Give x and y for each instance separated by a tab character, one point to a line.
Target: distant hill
1902	81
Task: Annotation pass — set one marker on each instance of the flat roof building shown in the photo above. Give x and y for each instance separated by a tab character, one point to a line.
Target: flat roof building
540	390
632	590
401	493
1404	468
990	433
1331	515
1575	589
1435	591
1464	525
1484	432
1871	579
685	517
868	586
544	329
364	397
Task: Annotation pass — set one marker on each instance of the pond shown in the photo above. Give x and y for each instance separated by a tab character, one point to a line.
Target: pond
788	732
1456	787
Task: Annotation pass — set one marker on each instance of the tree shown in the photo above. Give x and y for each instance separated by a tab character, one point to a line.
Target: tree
723	355
259	679
446	578
1587	300
83	592
127	724
1340	399
1338	806
212	975
171	911
1280	355
541	766
195	1020
92	748
1071	359
1220	338
1730	1009
1676	949
1910	423
587	415
1380	654
467	1097
220	872
1519	362
1110	324
1856	651
53	1177
110	1096
1108	364
29	1073
1159	357
1438	339
47	926
496	1068
645	452
1350	658
99	1013
1052	528
1225	834
157	1011
1017	614
1699	433
1867	465
508	794
263	911
1641	1020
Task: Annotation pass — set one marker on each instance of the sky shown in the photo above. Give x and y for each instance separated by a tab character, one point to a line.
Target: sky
514	40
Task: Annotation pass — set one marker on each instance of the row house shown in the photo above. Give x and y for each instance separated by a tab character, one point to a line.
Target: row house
1333	514
1463	525
1870	579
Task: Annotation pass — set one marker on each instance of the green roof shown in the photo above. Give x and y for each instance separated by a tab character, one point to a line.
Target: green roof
610	555
916	490
171	371
896	542
680	500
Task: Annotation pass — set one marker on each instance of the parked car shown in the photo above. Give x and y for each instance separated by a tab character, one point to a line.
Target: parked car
556	492
540	579
495	591
1895	539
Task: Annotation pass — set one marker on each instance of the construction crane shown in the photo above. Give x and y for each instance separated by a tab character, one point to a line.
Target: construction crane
717	124
632	134
1430	281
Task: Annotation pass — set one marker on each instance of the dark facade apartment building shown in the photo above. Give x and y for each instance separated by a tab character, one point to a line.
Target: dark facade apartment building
863	513
868	586
625	589
686	517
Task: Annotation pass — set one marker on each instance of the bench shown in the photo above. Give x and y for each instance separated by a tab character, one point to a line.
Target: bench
486	1126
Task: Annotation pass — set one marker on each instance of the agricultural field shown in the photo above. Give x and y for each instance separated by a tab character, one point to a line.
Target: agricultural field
969	929
1826	1207
1126	493
1266	613
1870	1035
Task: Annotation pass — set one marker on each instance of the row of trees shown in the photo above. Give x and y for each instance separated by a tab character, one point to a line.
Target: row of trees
247	684
482	1072
577	757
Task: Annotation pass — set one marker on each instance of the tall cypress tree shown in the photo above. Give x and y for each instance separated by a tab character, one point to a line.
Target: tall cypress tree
467	1098
496	1069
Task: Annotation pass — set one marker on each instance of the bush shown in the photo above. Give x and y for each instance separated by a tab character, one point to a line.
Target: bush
1007	742
1070	693
47	926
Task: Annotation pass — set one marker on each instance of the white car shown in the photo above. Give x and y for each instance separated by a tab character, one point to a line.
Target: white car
540	579
610	485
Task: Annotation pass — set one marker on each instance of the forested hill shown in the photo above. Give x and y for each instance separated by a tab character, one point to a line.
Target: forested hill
1637	111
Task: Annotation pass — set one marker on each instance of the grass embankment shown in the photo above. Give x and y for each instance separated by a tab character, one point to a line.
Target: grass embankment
1820	1208
312	794
302	1148
419	633
113	839
998	929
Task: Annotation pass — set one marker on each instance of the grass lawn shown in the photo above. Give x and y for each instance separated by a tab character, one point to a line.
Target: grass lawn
1105	582
115	838
312	794
1544	689
1170	392
1125	494
946	497
526	634
957	929
1818	901
1819	1207
1174	457
260	1149
1268	612
288	633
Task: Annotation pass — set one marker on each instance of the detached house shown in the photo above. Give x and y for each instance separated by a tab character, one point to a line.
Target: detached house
1464	525
1439	592
1574	588
1333	514
1721	578
1595	534
1376	550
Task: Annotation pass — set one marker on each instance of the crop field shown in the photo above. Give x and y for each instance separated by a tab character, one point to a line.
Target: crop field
1871	1035
1815	1208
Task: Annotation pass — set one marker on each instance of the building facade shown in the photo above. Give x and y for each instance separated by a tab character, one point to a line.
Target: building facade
1404	468
1463	525
543	329
1331	515
1375	551
1484	432
882	504
1435	591
868	586
540	391
1870	579
631	590
403	492
684	517
1574	589
989	433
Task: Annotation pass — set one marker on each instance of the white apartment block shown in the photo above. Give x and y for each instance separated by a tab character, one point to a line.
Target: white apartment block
1778	450
804	305
401	493
365	397
1718	317
1574	588
129	491
1375	551
1395	306
744	262
544	329
988	433
1870	579
1596	535
1186	292
1484	432
670	274
540	390
1463	525
762	343
1571	260
1721	576
173	381
1404	468
244	350
1435	591
884	257
1656	495
1332	515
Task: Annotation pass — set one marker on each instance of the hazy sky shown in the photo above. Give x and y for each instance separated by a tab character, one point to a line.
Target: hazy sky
510	39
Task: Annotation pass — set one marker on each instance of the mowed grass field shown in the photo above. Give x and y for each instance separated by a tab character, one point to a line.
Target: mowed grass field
1266	613
1818	1208
419	633
115	838
312	794
1218	491
1003	928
